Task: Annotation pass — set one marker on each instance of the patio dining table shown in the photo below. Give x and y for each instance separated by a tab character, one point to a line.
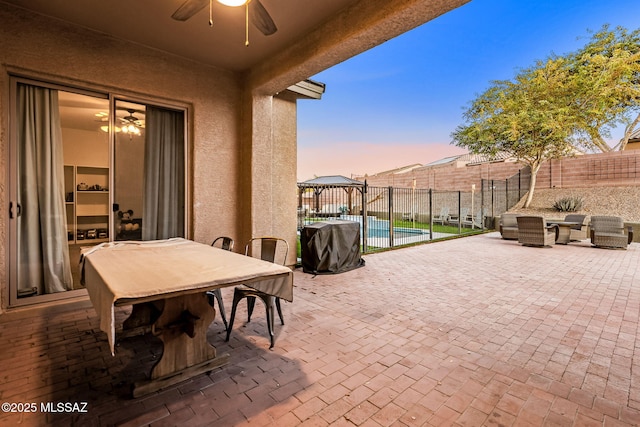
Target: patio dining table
166	282
564	230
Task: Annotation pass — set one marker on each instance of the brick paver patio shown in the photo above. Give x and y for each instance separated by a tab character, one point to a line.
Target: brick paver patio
469	332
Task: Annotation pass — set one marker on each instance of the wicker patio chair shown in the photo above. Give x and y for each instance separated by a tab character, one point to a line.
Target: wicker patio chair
534	231
509	226
609	232
578	232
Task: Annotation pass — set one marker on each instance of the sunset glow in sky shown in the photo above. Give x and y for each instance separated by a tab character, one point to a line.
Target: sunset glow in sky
398	103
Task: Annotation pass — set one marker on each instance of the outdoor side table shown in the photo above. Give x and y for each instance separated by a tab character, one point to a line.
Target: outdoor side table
564	231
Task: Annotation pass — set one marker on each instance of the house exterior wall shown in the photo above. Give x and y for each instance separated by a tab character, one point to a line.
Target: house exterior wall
612	169
44	49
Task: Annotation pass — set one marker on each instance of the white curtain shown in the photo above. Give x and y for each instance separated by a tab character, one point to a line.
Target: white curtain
42	227
163	198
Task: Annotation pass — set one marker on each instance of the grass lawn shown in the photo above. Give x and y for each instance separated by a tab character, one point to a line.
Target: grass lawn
437	228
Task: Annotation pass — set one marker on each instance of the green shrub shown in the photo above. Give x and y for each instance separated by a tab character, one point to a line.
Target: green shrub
568	204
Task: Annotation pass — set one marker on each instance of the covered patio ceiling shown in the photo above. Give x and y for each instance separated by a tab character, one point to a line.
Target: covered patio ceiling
150	23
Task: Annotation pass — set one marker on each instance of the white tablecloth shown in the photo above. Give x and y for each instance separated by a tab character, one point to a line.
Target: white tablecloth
121	272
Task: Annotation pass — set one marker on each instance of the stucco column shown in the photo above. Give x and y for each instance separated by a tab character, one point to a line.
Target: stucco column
269	170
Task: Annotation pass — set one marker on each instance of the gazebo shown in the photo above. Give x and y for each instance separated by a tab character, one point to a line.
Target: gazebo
331	185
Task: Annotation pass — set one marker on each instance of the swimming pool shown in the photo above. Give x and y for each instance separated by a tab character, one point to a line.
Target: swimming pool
379	229
398	233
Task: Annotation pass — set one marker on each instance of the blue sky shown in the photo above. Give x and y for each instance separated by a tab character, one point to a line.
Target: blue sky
398	103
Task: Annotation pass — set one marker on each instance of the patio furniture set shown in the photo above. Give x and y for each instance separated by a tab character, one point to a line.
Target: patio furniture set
172	285
603	231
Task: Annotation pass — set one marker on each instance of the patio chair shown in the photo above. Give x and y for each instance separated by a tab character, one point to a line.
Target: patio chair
454	219
225	243
509	226
578	232
609	232
534	231
473	222
443	217
271	249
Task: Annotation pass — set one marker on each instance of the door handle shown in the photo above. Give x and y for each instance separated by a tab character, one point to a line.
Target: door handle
19	209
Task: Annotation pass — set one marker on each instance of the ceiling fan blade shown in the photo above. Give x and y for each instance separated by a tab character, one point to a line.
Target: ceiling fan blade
188	9
261	18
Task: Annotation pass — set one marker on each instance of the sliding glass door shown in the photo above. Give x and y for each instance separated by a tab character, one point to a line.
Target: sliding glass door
149	172
85	170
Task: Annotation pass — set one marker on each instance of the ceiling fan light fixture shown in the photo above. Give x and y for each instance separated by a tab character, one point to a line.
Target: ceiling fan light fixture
131	129
233	3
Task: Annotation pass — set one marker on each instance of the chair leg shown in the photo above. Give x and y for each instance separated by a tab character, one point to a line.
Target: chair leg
218	295
268	302
214	295
279	310
237	296
251	303
271	303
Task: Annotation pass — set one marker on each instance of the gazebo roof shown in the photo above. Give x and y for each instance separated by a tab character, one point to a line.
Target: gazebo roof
332	181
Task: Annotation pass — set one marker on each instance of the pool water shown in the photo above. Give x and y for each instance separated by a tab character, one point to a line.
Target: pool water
398	233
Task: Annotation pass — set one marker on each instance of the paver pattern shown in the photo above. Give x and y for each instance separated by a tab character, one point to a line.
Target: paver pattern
469	332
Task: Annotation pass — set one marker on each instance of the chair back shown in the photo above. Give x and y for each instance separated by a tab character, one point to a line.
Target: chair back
533	231
536	223
575	218
270	249
607	224
609	232
223	242
509	220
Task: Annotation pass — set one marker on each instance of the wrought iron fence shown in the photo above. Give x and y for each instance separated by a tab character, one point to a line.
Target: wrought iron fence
391	216
501	195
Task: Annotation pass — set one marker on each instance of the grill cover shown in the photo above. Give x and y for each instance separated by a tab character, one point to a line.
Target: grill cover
331	247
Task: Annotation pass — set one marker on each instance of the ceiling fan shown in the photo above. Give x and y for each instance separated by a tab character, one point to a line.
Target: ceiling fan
131	124
259	15
131	119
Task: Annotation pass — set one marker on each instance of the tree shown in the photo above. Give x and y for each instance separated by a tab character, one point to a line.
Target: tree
560	104
603	84
528	118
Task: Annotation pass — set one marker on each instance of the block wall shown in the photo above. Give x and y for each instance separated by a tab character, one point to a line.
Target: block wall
613	169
